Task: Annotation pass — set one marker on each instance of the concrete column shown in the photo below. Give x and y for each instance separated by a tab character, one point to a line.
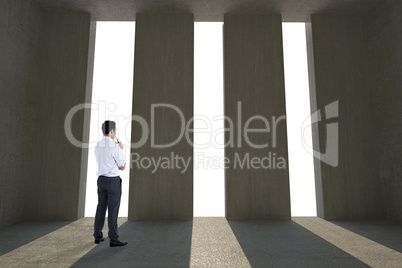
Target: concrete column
57	165
87	122
163	74
349	189
44	75
254	80
385	50
20	46
314	127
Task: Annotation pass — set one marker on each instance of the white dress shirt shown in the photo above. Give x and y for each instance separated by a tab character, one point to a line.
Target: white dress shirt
109	157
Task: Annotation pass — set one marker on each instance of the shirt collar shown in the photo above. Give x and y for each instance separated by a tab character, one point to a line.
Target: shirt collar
107	137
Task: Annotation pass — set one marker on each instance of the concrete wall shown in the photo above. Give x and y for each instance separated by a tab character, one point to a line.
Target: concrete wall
87	118
314	127
253	69
341	59
163	73
42	75
385	55
63	85
20	25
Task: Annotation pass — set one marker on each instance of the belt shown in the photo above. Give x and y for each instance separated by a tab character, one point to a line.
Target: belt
109	177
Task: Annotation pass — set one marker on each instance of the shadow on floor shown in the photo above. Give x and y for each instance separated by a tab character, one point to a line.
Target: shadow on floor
150	244
386	233
21	234
287	244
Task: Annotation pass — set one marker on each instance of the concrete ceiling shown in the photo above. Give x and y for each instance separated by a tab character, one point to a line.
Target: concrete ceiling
212	10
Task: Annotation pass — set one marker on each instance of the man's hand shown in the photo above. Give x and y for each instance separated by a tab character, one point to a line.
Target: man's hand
121	145
123	167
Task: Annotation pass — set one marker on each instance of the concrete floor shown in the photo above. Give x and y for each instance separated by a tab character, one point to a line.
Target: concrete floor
206	242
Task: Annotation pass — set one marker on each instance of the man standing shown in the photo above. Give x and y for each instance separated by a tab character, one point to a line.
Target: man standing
110	158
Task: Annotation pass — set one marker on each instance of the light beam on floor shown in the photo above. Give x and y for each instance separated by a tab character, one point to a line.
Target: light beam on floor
360	247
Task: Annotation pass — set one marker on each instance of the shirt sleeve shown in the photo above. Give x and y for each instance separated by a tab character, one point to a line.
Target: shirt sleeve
119	156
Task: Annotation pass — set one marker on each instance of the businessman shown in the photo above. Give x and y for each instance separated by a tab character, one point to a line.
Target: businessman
110	158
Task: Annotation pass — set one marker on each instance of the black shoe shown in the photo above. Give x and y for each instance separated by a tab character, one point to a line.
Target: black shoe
98	240
118	243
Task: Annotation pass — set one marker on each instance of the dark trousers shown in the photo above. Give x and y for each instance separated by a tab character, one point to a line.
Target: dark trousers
109	195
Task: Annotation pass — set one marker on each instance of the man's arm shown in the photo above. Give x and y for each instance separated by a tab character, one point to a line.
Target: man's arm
119	157
123	167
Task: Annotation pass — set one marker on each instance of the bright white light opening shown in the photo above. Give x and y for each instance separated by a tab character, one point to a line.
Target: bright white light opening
112	91
301	164
209	191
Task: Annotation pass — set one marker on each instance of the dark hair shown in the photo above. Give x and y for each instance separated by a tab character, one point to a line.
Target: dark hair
107	126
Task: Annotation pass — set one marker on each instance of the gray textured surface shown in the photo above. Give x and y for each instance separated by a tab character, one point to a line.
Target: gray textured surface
253	69
314	127
43	75
163	74
213	10
20	24
206	242
352	189
56	175
86	121
385	54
